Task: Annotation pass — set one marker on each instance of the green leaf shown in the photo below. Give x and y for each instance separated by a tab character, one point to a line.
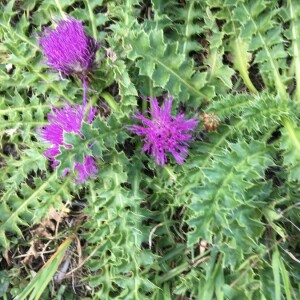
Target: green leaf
276	274
290	144
176	76
38	284
223	200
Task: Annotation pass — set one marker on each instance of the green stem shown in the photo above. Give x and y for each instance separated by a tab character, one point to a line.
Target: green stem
172	253
241	65
181	268
213	58
110	101
144	105
292	134
240	58
85	87
92	18
188	21
60	9
170	172
296	49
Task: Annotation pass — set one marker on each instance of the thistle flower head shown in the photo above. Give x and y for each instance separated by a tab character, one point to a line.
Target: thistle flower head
69	49
68	119
164	133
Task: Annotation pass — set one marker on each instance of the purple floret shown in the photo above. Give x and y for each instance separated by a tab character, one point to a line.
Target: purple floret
164	133
87	169
69	49
68	119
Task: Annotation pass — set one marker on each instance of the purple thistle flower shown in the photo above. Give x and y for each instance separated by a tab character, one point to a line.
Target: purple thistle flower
68	49
164	133
68	119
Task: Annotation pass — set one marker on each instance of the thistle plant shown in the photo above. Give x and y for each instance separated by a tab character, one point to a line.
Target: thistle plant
71	51
131	195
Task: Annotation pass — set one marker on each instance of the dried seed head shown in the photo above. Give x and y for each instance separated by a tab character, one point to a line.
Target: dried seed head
210	121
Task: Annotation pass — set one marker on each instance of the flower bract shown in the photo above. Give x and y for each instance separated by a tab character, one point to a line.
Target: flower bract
163	133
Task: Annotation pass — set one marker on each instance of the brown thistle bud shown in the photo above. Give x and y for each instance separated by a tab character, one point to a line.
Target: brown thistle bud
210	121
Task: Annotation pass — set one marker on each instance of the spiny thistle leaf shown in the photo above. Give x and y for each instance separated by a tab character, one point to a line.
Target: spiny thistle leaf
96	138
19	118
257	113
153	58
186	24
120	234
223	200
219	74
23	206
